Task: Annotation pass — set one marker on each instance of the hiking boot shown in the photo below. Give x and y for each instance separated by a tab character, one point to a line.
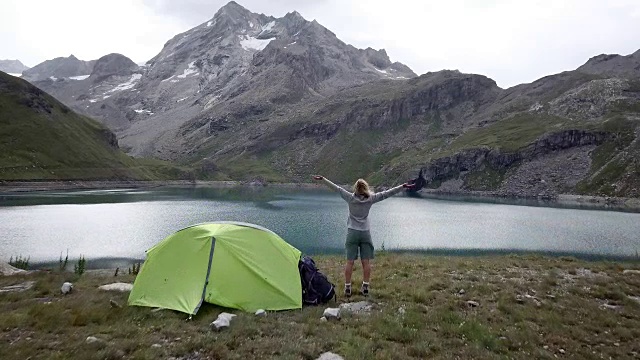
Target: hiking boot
364	290
347	291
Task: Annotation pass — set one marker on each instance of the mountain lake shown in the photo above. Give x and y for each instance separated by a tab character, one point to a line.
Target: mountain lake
116	227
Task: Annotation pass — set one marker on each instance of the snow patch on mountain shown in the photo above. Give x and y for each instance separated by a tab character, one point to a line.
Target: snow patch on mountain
251	43
269	26
81	77
189	71
127	85
209	23
141	111
14	74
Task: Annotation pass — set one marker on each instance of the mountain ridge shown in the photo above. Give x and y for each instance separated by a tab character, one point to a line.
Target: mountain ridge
247	95
12	66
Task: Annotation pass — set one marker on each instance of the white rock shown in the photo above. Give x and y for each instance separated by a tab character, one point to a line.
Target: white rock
634	298
609	306
91	339
223	321
401	310
323	319
472	303
220	324
122	287
461	292
359	307
17	288
261	312
331	313
637	272
227	316
330	356
157	346
66	288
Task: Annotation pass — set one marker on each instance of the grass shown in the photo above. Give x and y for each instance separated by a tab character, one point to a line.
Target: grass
42	139
435	322
510	134
607	166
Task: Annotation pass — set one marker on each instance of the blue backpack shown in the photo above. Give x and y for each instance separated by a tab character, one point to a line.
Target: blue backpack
316	288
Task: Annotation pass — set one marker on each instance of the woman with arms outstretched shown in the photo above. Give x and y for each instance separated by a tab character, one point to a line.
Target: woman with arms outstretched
358	235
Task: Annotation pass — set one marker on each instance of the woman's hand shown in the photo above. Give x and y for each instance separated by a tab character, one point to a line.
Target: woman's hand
317	177
408	185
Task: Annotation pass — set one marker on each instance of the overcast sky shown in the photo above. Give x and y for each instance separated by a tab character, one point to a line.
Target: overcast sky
511	41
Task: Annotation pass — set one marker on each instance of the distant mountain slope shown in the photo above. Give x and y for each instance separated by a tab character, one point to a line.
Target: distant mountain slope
12	66
42	139
247	96
60	67
238	63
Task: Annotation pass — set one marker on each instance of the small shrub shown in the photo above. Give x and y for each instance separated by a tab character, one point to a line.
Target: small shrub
79	268
135	269
63	263
20	262
116	273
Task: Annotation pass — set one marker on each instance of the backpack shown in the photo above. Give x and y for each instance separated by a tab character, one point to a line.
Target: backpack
316	288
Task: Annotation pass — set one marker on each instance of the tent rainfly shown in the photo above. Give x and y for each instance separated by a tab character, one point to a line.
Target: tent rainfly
230	264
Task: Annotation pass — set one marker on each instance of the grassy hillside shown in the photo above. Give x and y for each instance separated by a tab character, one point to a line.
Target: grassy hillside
42	139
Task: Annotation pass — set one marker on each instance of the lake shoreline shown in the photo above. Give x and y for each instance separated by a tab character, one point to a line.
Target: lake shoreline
109	264
566	200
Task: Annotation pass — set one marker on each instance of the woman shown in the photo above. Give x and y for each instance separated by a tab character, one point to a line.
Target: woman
358	235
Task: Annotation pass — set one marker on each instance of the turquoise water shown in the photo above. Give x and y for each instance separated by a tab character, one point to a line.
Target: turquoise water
125	223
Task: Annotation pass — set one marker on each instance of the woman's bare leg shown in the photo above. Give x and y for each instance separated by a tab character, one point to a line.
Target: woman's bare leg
366	270
348	271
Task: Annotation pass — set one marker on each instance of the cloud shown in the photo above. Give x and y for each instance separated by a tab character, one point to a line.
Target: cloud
510	41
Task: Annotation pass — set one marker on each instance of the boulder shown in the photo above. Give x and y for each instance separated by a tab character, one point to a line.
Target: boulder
66	288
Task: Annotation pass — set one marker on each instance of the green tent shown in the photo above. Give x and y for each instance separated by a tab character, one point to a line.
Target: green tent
235	265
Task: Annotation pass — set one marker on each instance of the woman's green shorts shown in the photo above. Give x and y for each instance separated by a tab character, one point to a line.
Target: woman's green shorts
359	242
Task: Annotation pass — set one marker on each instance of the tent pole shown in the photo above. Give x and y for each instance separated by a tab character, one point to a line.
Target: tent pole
206	280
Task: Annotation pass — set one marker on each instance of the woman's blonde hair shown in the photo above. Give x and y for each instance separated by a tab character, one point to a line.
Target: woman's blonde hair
361	188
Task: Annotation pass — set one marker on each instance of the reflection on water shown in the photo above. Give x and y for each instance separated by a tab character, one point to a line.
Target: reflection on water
124	223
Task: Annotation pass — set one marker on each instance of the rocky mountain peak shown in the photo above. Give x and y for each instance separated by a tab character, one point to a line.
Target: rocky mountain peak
233	11
613	65
12	66
378	58
112	64
59	67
